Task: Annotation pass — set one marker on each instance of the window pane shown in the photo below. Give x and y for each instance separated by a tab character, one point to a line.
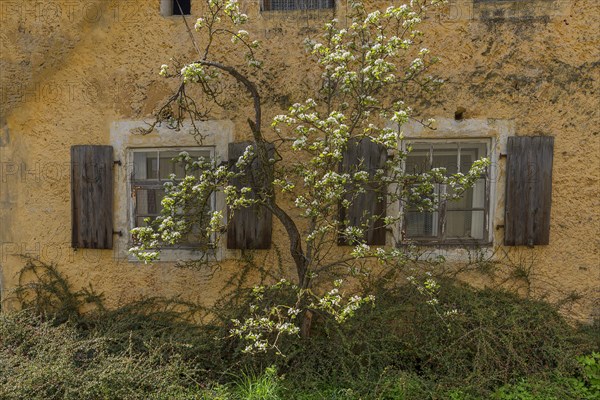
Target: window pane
168	166
464	202
446	156
469	153
458	224
473	197
417	161
419	224
479	193
182	7
145	165
148	201
478	224
464	224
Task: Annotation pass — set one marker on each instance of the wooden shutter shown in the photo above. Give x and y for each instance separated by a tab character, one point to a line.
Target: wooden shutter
92	197
528	190
250	227
367	156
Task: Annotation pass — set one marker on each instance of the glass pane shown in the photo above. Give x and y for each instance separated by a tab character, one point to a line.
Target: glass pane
419	224
417	161
446	156
469	153
168	166
477	225
458	224
464	224
462	203
479	193
148	201
145	165
473	197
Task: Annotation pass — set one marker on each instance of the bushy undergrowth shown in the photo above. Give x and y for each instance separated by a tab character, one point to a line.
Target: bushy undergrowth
493	339
495	345
42	361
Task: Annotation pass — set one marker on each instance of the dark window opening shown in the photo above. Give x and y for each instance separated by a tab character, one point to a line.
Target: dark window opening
285	5
182	7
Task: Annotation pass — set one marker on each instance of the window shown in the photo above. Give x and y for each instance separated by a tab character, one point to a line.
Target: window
175	7
152	168
182	7
285	5
453	221
129	178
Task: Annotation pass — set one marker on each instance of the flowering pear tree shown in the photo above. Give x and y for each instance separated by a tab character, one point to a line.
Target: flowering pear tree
370	68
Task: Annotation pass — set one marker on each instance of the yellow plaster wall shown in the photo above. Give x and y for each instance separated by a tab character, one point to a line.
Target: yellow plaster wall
71	69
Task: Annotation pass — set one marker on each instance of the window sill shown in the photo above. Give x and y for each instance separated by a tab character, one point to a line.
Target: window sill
447	244
453	253
180	255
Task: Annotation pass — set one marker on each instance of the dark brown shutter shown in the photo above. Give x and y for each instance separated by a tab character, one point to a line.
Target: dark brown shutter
528	190
365	155
92	197
249	228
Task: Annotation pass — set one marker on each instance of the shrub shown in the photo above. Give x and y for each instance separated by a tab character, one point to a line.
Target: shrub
42	361
493	339
495	345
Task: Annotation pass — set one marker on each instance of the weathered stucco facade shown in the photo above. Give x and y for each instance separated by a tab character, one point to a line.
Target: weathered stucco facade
73	71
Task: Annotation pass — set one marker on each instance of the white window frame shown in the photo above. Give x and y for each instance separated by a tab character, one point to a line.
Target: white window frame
125	139
160	182
438	225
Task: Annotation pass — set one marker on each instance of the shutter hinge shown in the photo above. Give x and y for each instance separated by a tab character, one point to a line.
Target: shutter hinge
499	227
117	162
120	233
502	155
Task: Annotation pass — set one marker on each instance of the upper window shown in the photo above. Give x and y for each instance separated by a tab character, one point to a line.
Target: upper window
152	168
452	221
175	7
283	5
182	7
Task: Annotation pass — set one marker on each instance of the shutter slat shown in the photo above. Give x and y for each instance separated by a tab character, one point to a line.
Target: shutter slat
250	227
369	206
528	190
91	197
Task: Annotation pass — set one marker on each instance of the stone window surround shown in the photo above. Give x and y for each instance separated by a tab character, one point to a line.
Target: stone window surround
124	139
498	131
